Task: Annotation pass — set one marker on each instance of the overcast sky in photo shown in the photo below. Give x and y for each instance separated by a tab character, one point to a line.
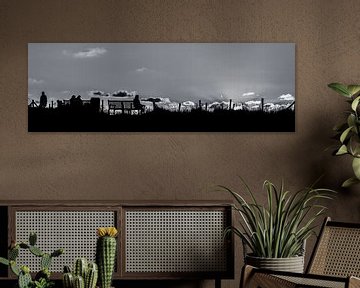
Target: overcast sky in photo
179	71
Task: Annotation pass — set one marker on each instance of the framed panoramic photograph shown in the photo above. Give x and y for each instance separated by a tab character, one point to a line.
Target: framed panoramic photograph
155	87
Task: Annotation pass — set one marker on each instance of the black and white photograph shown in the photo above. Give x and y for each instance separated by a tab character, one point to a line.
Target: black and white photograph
161	87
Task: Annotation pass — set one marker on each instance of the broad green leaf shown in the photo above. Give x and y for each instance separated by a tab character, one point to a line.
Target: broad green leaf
354	144
345	134
349	182
353	89
342	150
355	103
340	88
356	167
351	120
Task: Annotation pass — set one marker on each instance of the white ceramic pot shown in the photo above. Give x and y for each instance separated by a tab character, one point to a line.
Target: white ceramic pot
291	264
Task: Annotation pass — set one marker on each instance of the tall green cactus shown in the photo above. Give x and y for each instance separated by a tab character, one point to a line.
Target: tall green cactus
106	254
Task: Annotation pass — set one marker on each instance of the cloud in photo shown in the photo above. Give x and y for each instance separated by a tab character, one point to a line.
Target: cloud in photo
247	94
250	103
123	93
142	69
34	81
98	93
87	53
286	97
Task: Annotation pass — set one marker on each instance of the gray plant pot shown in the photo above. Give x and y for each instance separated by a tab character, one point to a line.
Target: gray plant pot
291	264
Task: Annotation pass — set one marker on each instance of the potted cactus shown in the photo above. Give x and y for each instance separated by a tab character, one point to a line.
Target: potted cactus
106	254
85	275
42	278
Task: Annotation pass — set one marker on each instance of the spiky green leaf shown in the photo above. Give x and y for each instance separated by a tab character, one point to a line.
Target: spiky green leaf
340	88
280	228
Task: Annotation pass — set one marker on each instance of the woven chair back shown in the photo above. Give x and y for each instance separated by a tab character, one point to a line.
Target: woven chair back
337	252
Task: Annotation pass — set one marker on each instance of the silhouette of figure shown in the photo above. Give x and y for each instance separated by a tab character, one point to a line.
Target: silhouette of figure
43	100
33	104
137	104
73	101
79	101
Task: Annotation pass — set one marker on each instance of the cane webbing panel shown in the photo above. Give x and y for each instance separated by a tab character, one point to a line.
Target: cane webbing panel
175	241
75	231
313	282
338	252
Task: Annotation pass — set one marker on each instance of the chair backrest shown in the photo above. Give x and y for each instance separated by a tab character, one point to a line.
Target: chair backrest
337	251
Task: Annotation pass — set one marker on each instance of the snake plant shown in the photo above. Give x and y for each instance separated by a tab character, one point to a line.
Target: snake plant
279	228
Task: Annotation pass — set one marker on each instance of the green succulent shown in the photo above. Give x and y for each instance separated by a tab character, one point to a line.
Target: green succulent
348	133
42	283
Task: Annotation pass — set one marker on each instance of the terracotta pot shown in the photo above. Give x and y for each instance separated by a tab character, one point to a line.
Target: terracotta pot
291	264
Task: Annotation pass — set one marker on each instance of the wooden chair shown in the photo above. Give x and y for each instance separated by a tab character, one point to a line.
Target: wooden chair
335	262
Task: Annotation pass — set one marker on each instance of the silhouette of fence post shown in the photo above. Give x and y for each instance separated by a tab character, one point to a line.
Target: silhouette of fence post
52	104
206	106
230	104
262	104
102	105
179	107
200	105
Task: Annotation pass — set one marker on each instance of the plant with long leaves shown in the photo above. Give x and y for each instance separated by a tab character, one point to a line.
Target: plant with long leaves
348	133
279	229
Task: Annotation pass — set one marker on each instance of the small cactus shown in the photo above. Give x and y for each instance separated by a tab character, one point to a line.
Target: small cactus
13	253
79	282
14	268
24	278
91	276
106	254
36	251
90	272
68	280
32	238
57	252
45	261
67	269
80	268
